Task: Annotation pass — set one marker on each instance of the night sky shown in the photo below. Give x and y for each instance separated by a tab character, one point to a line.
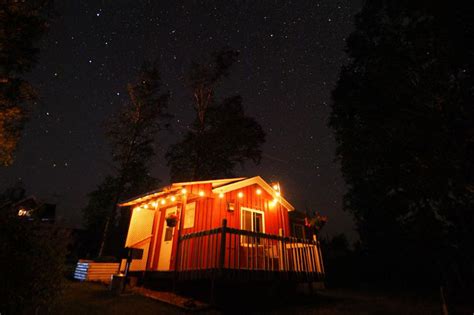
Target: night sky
291	54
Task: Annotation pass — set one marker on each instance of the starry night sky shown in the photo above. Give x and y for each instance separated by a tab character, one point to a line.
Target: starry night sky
291	54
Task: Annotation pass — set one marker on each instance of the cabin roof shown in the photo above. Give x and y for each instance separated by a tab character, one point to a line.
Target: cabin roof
218	185
214	182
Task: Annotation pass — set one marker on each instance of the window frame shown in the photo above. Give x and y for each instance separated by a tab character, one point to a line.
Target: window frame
252	211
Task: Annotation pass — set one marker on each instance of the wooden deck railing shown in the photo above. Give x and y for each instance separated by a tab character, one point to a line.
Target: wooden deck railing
232	250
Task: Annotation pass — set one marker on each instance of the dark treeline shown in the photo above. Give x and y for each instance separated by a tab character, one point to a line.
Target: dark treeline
403	117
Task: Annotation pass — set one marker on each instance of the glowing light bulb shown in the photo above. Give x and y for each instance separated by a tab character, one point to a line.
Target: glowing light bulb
173	198
259	191
163	201
240	194
201	193
221	195
275	187
278	193
154	204
184	191
137	209
145	206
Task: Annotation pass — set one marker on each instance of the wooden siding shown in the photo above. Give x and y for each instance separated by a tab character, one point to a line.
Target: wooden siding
210	210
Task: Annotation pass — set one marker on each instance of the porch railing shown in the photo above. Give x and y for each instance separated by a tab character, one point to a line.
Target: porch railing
232	250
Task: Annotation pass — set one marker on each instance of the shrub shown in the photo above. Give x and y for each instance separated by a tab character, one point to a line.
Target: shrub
32	257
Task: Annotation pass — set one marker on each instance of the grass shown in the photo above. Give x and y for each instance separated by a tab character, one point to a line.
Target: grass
87	298
90	298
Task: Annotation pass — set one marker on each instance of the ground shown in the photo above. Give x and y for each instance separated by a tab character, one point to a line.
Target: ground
89	298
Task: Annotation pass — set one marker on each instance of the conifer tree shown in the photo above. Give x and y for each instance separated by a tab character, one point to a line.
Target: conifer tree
132	134
403	115
222	135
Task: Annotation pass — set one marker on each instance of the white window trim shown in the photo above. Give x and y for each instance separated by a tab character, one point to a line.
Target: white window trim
242	209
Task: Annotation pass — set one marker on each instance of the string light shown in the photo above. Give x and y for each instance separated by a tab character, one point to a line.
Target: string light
145	206
163	201
201	193
173	198
275	187
259	191
184	191
154	204
240	194
221	195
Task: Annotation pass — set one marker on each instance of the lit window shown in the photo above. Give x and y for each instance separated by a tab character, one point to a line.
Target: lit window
253	221
23	213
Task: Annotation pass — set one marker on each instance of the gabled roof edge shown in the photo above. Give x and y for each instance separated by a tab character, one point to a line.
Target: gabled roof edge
250	181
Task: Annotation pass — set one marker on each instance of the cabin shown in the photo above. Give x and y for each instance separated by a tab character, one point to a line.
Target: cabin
31	209
235	228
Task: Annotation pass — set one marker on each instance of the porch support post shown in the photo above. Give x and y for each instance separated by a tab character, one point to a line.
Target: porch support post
222	250
221	261
180	227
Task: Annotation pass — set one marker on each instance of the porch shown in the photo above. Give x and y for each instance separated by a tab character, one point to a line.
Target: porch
233	254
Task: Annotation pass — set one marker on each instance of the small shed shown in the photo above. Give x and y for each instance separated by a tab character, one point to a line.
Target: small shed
232	224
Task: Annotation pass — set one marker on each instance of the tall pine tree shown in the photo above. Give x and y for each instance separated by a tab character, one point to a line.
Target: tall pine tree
132	134
222	135
403	115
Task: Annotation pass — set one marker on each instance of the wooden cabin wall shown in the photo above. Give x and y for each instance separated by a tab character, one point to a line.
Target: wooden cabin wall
210	210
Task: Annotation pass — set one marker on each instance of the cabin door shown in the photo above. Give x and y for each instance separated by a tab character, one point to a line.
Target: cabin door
166	242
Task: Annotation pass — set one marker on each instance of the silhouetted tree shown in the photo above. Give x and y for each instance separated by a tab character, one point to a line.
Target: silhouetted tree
22	24
403	115
132	134
221	136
